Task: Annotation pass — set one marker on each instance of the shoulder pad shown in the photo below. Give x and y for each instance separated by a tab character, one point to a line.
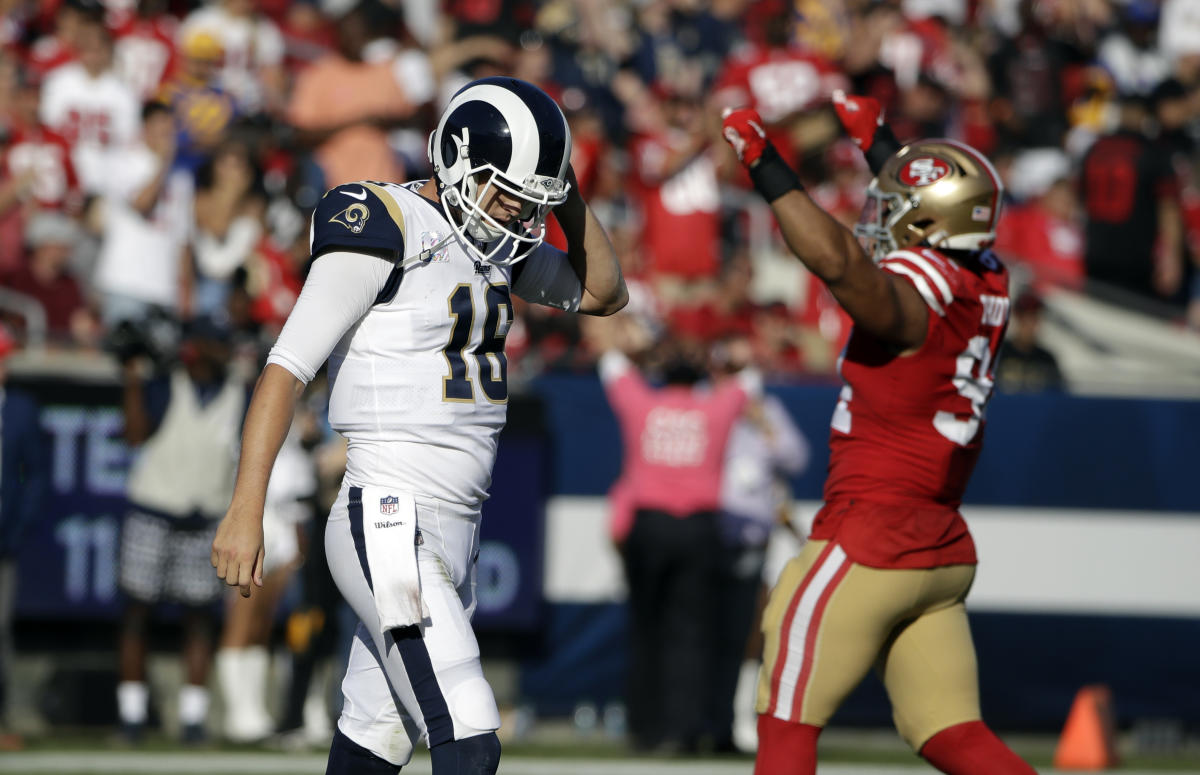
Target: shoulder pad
357	216
934	276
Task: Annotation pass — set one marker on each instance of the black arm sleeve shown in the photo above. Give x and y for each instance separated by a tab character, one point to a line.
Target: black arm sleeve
882	147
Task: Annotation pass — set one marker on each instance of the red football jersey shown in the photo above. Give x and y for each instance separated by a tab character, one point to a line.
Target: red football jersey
779	84
681	213
47	155
908	429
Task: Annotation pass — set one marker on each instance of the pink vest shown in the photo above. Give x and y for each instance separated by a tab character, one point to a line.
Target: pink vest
674	444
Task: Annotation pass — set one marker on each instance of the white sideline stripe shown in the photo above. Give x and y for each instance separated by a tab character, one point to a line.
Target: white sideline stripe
919	283
929	269
1035	560
797	636
199	763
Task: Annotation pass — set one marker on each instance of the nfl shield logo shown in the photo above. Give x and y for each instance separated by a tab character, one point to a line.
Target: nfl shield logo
389	505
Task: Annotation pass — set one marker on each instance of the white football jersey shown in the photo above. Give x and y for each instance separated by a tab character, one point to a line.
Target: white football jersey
96	115
419	383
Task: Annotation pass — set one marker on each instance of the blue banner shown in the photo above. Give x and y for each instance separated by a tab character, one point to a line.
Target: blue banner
67	564
1044	449
68	558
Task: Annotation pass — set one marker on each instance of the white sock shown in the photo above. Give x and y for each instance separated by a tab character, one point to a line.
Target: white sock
133	697
229	680
745	719
256	668
193	704
242	675
318	722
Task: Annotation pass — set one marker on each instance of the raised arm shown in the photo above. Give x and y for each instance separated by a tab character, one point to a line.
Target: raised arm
591	255
862	118
879	302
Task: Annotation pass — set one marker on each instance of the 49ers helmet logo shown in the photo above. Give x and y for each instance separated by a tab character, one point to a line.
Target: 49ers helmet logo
923	170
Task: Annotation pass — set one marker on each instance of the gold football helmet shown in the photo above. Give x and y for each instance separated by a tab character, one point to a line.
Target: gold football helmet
939	193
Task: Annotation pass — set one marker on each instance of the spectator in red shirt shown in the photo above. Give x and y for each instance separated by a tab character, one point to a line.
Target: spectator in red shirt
1043	232
46	278
677	186
730	310
35	163
36	160
780	79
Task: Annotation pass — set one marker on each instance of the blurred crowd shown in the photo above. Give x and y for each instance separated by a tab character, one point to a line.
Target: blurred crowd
160	159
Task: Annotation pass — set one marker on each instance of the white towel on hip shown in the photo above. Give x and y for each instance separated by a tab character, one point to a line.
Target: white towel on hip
389	531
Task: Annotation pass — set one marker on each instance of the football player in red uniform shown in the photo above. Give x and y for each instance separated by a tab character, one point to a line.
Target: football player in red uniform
883	577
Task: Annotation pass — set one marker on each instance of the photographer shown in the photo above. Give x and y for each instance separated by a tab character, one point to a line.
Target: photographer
185	425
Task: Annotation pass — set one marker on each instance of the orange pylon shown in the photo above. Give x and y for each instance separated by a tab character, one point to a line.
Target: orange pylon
1088	737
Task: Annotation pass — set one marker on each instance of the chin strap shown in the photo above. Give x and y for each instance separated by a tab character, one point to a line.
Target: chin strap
427	254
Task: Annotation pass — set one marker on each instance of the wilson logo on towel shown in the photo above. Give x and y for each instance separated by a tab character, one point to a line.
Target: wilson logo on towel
389	504
387	523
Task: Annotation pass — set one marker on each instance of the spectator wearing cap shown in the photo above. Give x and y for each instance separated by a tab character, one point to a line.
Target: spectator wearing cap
25	467
46	278
253	53
90	106
1042	230
185	426
147	219
1134	233
1131	54
203	110
344	104
1024	365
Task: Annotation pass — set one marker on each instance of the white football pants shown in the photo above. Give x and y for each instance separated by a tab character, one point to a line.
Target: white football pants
398	687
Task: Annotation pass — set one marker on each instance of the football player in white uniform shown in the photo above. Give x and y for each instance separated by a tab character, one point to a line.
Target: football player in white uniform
409	299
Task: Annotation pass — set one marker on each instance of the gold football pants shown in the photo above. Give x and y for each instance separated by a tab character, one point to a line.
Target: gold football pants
829	620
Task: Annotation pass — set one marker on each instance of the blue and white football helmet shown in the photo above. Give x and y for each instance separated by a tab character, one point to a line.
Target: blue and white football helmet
500	133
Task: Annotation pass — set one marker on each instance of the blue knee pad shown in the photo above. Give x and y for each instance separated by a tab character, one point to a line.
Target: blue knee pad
478	755
347	757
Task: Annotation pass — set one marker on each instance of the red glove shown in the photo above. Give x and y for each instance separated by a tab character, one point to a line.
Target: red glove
860	116
743	129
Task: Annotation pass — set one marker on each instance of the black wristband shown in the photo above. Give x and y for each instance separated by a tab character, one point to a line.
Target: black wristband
772	177
883	145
